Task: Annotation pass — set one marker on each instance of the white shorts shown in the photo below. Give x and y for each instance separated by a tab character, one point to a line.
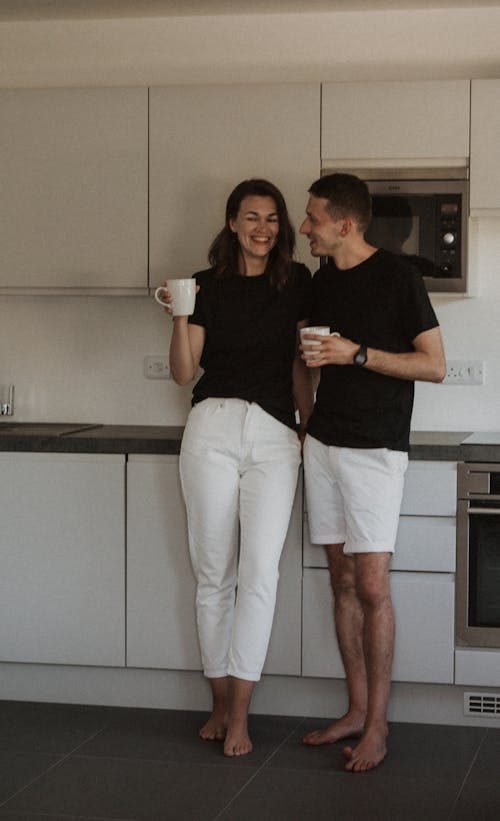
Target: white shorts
354	495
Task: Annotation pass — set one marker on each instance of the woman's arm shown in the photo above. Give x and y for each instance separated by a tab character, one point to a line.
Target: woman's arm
186	347
303	394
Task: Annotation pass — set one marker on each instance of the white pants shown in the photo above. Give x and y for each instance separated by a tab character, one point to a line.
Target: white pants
238	469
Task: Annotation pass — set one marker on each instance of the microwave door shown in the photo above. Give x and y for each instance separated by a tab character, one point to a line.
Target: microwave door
404	224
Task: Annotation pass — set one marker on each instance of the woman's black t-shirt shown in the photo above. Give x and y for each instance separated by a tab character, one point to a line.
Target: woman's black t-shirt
382	303
250	338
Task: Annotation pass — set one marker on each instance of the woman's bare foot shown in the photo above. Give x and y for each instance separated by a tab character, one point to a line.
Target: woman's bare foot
349	726
215	728
368	754
237	740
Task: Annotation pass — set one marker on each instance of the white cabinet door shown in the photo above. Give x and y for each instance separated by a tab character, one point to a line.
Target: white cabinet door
424	610
485	147
284	654
74	198
161	621
62	554
206	139
396	121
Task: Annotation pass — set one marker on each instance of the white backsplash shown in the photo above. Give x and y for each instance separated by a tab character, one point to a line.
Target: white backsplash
81	359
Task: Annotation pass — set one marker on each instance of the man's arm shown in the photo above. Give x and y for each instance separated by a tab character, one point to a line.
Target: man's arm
426	362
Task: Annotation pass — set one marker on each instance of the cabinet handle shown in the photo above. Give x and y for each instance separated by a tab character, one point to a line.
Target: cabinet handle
483	511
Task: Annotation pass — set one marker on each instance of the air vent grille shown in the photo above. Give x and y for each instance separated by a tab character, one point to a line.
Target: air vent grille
484	704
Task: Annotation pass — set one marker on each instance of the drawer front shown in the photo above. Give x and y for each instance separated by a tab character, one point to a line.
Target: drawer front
430	489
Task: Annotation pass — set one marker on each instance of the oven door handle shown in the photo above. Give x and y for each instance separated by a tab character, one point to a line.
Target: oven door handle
483	511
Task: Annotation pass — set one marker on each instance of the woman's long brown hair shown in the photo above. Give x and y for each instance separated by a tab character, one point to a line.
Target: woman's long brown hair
224	250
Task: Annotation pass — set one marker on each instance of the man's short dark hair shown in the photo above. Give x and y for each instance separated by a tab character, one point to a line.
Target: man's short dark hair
347	196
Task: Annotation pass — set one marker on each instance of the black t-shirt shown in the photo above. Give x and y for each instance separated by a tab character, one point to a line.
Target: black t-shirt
250	338
382	303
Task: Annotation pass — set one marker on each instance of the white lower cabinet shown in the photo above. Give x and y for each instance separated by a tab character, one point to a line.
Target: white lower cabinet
422	585
161	622
62	585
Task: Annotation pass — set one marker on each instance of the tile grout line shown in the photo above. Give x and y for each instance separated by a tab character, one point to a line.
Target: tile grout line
466	776
258	770
53	766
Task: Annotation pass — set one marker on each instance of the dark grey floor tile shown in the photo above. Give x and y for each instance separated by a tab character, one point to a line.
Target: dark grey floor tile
477	804
282	795
19	769
47	728
131	789
173	735
480	797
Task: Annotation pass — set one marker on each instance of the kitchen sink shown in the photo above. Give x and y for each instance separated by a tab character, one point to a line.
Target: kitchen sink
43	428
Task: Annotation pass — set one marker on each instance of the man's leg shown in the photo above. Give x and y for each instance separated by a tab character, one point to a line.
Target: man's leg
373	593
349	627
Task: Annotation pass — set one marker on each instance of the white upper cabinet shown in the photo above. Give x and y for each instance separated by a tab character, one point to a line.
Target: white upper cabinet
404	123
485	147
206	139
74	170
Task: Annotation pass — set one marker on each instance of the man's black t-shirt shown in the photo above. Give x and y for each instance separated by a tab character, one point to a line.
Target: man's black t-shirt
250	338
382	303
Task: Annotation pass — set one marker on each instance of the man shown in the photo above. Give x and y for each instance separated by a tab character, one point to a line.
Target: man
357	440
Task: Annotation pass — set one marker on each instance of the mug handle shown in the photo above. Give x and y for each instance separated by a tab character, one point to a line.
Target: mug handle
159	290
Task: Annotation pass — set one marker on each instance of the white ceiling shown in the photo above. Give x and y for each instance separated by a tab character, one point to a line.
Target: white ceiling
82	9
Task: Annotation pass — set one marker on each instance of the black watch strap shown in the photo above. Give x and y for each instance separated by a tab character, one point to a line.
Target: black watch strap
360	357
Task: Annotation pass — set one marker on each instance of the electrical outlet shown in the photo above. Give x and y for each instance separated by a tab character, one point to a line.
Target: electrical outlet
156	367
464	372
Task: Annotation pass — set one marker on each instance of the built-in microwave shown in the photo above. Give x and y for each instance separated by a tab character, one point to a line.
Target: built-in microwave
421	214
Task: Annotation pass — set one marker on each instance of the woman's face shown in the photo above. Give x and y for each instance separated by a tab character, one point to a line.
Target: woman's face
257	228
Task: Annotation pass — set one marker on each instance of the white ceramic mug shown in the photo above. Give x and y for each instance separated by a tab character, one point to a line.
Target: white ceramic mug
183	293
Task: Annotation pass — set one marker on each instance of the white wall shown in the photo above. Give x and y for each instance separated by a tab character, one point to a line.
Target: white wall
80	359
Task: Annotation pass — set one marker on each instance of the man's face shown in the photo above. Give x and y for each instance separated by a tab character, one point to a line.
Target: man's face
324	233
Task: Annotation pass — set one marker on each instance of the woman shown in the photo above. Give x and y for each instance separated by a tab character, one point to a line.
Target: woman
240	450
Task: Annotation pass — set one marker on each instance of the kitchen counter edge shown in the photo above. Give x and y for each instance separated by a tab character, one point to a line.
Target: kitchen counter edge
166	439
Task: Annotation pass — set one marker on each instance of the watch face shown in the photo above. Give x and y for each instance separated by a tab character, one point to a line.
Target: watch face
361	356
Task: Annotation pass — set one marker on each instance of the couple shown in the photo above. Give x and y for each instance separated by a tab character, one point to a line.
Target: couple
241	447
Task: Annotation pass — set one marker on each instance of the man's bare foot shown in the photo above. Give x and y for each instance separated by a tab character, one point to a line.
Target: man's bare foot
368	754
237	741
215	728
349	726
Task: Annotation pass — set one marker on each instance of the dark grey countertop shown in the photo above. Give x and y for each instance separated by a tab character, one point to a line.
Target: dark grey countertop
86	438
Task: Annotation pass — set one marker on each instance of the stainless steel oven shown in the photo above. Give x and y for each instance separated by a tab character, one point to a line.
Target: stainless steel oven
477	605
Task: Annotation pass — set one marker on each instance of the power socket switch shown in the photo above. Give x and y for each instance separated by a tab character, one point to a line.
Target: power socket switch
156	367
464	372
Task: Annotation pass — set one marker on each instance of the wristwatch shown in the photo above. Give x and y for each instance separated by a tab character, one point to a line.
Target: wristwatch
360	357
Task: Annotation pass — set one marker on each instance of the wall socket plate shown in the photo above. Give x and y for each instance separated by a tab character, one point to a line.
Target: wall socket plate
464	372
156	367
